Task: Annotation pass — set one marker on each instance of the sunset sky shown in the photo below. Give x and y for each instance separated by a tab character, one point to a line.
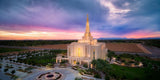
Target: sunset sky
66	19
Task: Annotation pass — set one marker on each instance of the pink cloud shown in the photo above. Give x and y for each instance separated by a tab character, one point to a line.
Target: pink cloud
142	34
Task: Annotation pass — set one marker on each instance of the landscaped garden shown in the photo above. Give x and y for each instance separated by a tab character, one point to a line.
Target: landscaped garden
149	71
33	42
87	71
129	59
40	58
132	73
25	62
3	50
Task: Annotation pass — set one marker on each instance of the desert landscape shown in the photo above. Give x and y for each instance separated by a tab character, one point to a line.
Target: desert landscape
79	39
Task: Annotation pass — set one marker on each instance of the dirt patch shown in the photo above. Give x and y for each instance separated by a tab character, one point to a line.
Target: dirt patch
56	46
117	47
127	47
16	52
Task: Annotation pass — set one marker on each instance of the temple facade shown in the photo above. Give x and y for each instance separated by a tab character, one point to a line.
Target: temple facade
86	49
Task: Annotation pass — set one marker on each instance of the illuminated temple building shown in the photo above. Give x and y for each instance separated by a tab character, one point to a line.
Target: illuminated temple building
86	49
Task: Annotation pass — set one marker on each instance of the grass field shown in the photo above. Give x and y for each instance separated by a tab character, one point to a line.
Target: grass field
135	73
42	58
3	50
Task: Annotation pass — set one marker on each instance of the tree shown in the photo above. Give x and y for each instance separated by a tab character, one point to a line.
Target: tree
77	63
97	75
13	71
111	54
85	65
101	65
94	62
5	70
107	77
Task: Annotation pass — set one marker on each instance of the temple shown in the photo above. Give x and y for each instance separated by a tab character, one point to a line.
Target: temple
86	49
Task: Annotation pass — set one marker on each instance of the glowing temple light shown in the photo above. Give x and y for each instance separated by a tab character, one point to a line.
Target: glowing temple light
86	46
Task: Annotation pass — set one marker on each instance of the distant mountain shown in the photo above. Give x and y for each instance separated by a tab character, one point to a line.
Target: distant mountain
116	38
151	38
111	38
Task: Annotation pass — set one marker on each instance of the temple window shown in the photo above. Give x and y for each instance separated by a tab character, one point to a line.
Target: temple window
79	52
94	54
85	51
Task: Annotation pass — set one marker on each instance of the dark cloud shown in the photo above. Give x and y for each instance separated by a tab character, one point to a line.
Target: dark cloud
71	14
144	14
122	30
122	4
146	8
46	13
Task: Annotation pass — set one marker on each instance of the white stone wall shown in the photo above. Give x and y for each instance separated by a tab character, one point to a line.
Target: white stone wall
77	51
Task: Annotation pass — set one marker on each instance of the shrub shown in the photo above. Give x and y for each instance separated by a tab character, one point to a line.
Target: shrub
14	77
78	78
85	65
5	70
63	61
97	75
131	61
111	54
49	64
123	61
13	71
107	77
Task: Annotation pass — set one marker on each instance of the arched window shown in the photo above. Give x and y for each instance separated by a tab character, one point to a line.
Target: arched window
86	51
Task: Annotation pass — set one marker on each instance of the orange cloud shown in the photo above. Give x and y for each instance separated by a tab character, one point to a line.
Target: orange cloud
64	35
39	35
36	35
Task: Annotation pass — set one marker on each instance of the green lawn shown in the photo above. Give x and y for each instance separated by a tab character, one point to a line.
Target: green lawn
134	73
149	71
41	59
3	50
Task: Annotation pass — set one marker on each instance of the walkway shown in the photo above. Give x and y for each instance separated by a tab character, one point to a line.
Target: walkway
68	73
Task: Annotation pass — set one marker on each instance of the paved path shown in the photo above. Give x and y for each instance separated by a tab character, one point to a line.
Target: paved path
68	73
3	76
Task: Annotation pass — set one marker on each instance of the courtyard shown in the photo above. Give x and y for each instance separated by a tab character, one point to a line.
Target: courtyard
17	67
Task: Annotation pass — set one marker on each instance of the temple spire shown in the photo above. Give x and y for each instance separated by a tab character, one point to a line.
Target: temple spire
87	25
87	35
